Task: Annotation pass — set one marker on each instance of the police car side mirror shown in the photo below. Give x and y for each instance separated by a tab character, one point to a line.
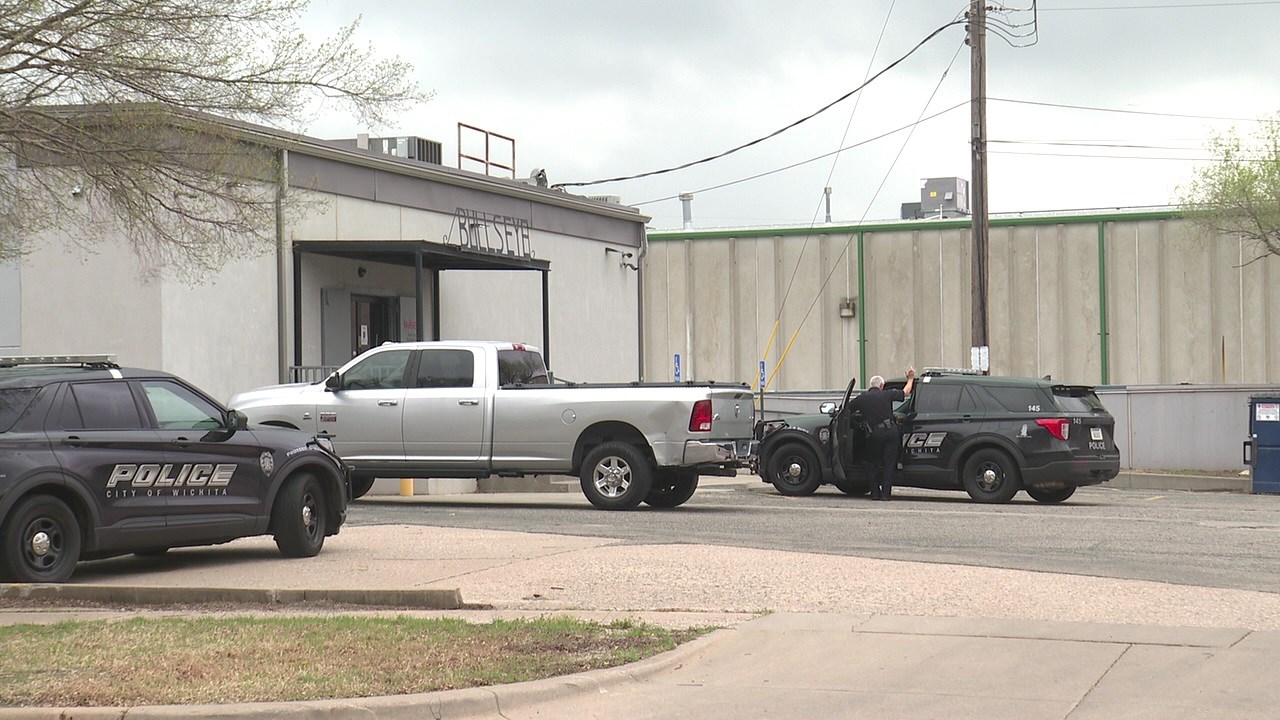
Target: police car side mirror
237	420
334	381
827	408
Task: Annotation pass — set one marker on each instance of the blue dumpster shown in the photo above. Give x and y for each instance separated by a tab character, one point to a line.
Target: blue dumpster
1264	442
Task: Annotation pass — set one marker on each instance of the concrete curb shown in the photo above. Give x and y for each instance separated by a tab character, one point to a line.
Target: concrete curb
1198	483
426	599
491	701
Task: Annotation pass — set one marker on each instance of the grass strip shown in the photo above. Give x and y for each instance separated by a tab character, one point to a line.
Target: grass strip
199	660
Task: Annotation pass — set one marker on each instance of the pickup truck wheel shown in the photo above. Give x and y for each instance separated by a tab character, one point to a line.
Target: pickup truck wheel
672	488
616	476
794	470
990	476
298	517
855	485
40	542
1050	496
360	486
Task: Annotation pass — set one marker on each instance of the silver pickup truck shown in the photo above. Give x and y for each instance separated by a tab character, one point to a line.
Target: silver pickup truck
475	409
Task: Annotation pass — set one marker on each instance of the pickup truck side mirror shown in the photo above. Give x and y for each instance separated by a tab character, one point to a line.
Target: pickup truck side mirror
333	382
827	408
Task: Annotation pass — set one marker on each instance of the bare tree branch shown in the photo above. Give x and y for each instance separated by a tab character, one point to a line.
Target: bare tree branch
111	96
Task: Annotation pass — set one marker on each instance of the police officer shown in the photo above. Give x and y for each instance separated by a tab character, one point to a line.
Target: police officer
876	406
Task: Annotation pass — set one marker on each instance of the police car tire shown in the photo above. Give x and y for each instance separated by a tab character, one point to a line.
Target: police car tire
1050	496
298	517
1008	479
672	488
780	461
39	514
617	456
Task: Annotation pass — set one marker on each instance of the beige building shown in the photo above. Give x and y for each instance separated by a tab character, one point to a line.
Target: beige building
378	247
1130	298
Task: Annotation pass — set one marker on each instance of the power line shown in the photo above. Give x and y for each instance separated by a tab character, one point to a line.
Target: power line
1104	157
816	158
1129	112
777	132
1163	7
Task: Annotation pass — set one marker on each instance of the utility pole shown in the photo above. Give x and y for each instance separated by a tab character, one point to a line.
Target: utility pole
978	182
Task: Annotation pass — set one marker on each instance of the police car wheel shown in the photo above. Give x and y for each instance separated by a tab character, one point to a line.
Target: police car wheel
990	476
793	470
672	488
298	517
40	541
1050	496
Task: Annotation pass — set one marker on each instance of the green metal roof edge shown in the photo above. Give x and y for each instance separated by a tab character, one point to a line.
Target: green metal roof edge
911	226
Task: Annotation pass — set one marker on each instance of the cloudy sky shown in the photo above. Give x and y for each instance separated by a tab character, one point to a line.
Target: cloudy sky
594	89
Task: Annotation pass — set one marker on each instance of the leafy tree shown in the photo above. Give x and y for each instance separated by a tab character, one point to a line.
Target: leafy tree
1239	194
114	113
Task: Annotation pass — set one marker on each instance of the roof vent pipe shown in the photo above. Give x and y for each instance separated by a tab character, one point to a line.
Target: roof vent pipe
826	192
686	202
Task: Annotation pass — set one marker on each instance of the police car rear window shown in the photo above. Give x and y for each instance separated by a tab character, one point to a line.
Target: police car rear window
1077	399
13	401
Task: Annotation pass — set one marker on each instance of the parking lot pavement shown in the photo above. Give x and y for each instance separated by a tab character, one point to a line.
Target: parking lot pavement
840	636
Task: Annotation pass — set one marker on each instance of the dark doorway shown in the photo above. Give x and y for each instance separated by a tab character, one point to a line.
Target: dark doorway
374	320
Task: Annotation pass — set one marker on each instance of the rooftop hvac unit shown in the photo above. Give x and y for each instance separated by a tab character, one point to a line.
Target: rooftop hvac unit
409	147
611	199
944	196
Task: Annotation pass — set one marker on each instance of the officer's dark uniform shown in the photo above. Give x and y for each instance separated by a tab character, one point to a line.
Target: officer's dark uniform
876	406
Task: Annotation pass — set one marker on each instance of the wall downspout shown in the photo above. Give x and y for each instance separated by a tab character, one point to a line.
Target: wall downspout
1104	331
284	257
862	314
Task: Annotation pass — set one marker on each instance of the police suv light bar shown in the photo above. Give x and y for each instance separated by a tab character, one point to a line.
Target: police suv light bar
951	371
14	360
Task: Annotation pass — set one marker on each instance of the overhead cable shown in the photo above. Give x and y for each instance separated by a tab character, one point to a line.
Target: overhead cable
777	132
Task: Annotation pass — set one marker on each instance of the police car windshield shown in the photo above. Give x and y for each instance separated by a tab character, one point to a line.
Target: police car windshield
13	401
1077	399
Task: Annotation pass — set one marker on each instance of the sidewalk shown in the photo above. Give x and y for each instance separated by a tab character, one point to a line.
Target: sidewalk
847	637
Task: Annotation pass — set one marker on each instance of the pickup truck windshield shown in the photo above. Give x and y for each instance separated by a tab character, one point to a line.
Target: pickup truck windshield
521	367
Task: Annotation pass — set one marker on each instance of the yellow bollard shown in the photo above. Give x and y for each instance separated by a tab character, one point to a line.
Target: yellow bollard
406	487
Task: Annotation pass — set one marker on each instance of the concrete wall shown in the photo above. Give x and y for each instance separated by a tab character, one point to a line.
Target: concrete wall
1175	306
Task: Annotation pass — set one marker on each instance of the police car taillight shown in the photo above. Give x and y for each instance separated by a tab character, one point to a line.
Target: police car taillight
700	418
1060	428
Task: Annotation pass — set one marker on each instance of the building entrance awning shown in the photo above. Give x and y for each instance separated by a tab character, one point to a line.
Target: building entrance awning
434	256
423	257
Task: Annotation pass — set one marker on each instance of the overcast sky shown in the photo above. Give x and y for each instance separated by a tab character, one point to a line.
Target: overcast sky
595	89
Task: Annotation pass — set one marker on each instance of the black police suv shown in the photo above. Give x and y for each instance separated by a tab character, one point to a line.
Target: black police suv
98	460
987	435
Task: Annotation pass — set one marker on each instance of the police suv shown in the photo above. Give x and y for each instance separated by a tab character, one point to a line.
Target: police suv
98	460
989	436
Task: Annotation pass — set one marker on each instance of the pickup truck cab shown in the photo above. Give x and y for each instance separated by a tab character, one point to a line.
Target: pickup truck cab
475	409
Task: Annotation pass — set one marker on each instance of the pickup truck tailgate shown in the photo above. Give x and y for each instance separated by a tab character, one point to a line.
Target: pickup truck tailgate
733	415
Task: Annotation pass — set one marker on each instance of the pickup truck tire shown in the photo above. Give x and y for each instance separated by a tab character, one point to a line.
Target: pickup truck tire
40	542
672	488
360	486
793	469
991	476
1050	496
298	517
855	486
616	476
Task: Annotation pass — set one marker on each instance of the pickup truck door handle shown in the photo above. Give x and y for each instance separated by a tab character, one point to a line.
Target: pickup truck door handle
468	402
73	441
181	441
388	403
